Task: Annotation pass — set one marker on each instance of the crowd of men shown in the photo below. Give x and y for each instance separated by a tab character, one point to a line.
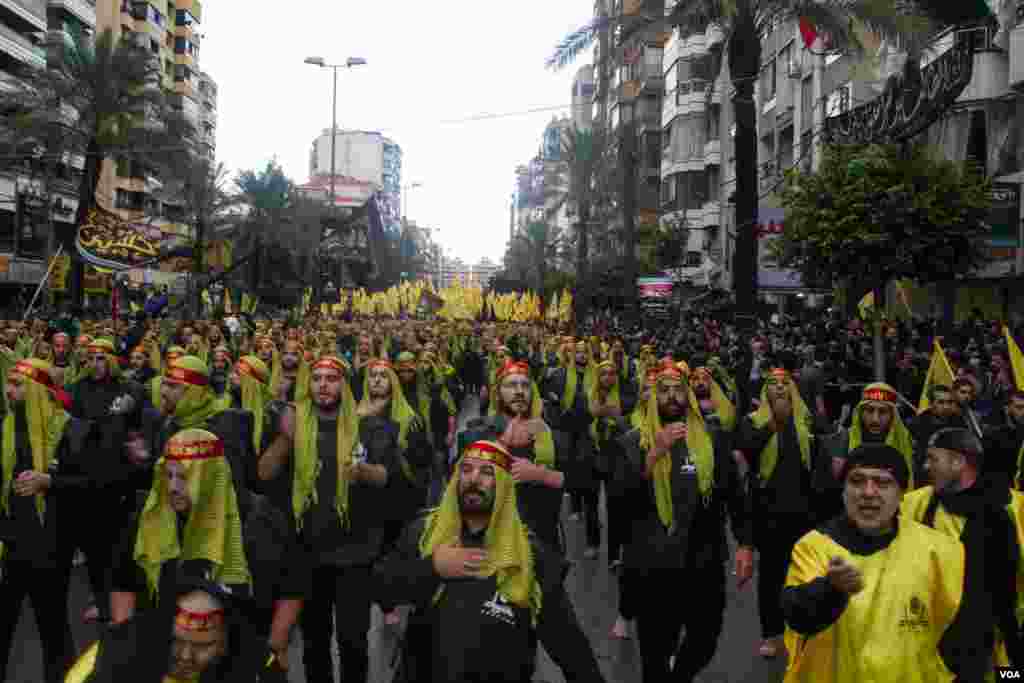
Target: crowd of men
232	482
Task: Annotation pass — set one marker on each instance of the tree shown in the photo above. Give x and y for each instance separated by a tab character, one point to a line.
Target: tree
267	193
743	23
582	179
99	98
879	213
542	243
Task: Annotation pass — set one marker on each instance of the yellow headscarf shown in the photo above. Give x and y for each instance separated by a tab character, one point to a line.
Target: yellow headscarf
254	381
801	418
173	354
213	531
544	442
725	408
401	413
46	419
898	437
698	443
307	459
199	403
509	555
600	427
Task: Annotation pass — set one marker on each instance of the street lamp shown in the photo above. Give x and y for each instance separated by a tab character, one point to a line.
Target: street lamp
349	63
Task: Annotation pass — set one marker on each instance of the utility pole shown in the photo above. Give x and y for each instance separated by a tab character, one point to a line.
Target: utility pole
628	162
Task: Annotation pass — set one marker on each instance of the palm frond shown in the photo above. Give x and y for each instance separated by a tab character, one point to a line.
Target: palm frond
570	47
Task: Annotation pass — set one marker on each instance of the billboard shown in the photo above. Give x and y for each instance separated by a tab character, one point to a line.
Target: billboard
106	240
771	222
654	287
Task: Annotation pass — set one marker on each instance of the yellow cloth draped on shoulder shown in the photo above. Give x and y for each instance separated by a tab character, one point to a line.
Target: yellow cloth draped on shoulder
801	418
506	541
898	437
890	630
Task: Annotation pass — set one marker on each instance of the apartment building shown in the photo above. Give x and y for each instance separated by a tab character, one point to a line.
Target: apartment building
34	196
207	114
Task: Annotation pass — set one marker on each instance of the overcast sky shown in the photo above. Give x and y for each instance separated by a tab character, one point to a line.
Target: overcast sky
428	63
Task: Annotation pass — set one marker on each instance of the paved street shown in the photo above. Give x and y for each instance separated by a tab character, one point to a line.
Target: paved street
593	590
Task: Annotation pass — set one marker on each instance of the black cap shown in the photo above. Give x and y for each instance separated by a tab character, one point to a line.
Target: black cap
957	439
878	456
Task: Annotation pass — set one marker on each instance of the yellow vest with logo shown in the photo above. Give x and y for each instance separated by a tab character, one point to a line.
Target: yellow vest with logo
890	630
914	506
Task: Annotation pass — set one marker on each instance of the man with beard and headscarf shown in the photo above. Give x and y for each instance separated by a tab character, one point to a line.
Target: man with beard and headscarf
779	446
536	468
140	370
290	379
424	395
101	386
485	590
871	596
220	368
389	429
249	390
205	644
718	411
678	535
876	419
987	518
172	354
44	463
1004	443
337	496
195	524
65	369
364	354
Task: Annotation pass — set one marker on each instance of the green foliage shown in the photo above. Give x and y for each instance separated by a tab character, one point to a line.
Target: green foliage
870	212
266	190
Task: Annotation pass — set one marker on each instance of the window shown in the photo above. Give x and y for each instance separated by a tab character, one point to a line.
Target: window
671	76
7	230
184	18
713	120
768	78
666	138
714	183
182	73
838	101
668	192
806	152
694	259
832	57
154	46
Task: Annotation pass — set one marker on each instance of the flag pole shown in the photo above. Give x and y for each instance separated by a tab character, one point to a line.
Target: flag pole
46	276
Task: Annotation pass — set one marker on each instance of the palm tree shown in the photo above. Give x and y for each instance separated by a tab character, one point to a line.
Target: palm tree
743	22
266	193
99	98
542	244
581	180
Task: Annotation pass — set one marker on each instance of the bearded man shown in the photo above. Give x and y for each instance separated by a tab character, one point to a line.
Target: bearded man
485	590
220	368
205	644
93	398
337	497
43	463
64	368
876	419
779	448
535	449
678	535
364	354
1004	443
140	369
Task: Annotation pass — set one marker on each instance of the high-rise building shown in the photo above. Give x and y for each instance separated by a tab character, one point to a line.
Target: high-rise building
207	114
583	97
366	157
34	197
481	272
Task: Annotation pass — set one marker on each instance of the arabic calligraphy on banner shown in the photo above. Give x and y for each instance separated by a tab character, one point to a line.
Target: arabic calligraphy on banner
107	241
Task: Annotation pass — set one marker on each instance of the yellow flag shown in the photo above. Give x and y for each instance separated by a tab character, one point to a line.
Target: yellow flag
867	302
1016	358
940	372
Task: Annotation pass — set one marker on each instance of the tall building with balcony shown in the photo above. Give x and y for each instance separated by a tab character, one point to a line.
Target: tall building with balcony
628	94
34	196
583	97
207	114
368	157
690	155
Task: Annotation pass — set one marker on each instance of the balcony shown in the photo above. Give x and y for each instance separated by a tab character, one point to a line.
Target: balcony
713	152
26	12
21	48
80	9
1017	58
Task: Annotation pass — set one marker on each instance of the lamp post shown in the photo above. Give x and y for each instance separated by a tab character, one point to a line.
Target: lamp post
349	63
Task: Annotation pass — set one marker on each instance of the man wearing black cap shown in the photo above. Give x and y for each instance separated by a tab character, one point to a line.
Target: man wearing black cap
870	596
986	518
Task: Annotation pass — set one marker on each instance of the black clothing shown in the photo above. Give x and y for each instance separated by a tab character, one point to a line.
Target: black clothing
472	633
1002	444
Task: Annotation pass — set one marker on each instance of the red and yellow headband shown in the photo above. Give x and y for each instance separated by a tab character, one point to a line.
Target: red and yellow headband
244	367
36	374
671	372
379	363
101	346
178	373
198	622
194	449
780	375
330	363
513	368
488	451
879	393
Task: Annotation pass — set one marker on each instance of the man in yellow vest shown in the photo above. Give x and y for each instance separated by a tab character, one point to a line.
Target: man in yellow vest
870	596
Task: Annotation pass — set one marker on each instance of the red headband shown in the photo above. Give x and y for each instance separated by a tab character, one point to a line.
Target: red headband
246	369
199	621
513	368
379	363
780	374
176	373
35	374
880	395
201	449
489	452
329	363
